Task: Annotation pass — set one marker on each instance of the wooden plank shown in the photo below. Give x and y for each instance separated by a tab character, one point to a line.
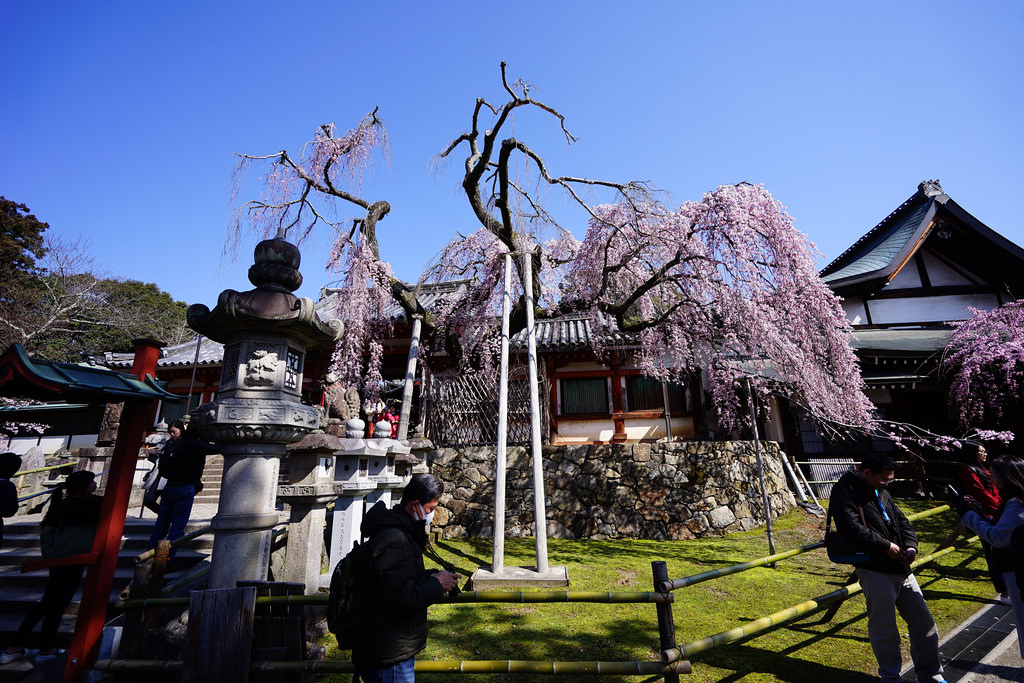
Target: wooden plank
220	632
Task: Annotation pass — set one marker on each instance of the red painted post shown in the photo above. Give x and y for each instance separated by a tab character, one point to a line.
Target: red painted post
100	577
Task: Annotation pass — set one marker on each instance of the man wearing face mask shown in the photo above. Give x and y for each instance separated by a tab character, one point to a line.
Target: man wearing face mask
401	590
864	511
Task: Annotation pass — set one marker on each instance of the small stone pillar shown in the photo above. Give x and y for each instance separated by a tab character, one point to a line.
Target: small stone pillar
310	488
353	483
382	469
266	333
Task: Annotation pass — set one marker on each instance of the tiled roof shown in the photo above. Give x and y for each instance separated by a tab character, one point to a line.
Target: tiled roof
905	341
572	332
41	379
877	250
428	295
181	355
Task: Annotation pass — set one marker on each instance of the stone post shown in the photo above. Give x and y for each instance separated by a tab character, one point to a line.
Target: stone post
266	333
310	488
382	469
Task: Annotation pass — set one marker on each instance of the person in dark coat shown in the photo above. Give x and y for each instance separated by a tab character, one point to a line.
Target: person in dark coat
10	463
181	463
67	529
396	629
864	511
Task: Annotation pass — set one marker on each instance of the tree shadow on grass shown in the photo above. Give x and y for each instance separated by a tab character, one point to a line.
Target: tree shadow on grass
511	632
745	659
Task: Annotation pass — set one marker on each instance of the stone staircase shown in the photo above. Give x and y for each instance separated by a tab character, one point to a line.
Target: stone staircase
20	590
212	475
21	544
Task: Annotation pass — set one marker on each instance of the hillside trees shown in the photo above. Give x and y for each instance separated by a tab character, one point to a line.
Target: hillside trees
712	284
56	303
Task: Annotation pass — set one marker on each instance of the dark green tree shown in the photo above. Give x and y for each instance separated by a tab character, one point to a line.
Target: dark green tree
21	238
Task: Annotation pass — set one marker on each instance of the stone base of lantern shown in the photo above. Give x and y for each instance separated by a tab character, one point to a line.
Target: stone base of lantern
525	577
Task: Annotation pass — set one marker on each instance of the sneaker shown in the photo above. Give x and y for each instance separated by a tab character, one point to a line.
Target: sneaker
8	657
1004	599
49	655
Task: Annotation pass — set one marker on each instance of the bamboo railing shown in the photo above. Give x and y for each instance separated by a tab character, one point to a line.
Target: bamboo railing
672	662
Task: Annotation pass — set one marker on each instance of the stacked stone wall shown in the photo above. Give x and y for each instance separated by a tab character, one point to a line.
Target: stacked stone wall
649	491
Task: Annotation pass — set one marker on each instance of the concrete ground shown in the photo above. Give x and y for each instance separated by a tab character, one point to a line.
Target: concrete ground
983	649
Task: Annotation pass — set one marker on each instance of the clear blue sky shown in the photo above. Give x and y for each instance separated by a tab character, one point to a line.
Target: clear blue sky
121	118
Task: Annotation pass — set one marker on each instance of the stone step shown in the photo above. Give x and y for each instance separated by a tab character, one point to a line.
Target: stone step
18	591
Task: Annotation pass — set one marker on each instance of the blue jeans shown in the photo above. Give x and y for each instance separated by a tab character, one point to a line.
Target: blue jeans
175	509
403	672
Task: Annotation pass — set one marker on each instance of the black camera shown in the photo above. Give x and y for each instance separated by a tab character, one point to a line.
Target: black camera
956	499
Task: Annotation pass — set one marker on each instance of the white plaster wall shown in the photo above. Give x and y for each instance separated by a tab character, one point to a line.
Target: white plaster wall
925	309
855	312
591	431
908	278
941	275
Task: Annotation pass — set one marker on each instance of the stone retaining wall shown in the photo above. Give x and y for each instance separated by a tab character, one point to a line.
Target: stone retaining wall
650	491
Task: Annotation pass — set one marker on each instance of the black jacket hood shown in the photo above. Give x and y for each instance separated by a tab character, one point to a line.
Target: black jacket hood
379	517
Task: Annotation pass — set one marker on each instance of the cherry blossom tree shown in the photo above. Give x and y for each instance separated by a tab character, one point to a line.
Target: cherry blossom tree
723	284
985	361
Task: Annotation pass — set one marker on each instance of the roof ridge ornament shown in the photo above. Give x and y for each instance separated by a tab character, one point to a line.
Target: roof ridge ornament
930	188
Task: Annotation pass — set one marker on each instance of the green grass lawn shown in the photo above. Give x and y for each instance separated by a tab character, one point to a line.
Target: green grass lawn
804	651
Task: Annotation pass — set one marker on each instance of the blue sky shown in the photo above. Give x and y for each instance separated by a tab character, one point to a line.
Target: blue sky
121	118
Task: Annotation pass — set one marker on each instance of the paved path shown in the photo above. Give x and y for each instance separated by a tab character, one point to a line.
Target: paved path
983	649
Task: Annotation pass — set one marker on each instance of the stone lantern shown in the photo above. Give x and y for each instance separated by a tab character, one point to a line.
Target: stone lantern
382	469
366	472
353	483
310	489
266	333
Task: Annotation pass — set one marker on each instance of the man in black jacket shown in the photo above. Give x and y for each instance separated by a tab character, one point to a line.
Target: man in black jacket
396	627
865	512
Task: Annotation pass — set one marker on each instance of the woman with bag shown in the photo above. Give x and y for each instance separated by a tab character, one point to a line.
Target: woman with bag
1008	476
976	482
67	529
182	461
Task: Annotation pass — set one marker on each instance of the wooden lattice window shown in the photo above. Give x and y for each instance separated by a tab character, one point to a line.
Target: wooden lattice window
582	395
644	393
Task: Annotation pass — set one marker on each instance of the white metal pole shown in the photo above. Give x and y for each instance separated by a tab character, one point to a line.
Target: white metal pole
410	378
668	413
540	515
500	462
760	471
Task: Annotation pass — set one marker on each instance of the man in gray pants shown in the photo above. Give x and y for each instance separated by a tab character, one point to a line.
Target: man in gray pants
865	512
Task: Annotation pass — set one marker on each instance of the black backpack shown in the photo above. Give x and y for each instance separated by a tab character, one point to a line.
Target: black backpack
350	583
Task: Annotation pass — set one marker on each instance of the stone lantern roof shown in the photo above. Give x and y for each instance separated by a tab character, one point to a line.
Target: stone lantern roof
270	306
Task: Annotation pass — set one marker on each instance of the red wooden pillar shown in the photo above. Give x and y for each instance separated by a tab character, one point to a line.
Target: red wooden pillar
100	576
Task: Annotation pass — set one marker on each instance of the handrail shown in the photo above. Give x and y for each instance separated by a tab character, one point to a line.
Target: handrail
632	668
35	495
736	568
786	615
47	492
692	579
46	469
610	598
148	554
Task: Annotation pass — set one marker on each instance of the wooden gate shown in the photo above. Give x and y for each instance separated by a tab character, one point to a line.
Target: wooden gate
463	410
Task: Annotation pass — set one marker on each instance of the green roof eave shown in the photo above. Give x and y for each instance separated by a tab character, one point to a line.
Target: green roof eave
45	380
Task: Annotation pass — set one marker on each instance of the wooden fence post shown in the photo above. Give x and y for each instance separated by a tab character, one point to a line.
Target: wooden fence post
666	623
219	635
